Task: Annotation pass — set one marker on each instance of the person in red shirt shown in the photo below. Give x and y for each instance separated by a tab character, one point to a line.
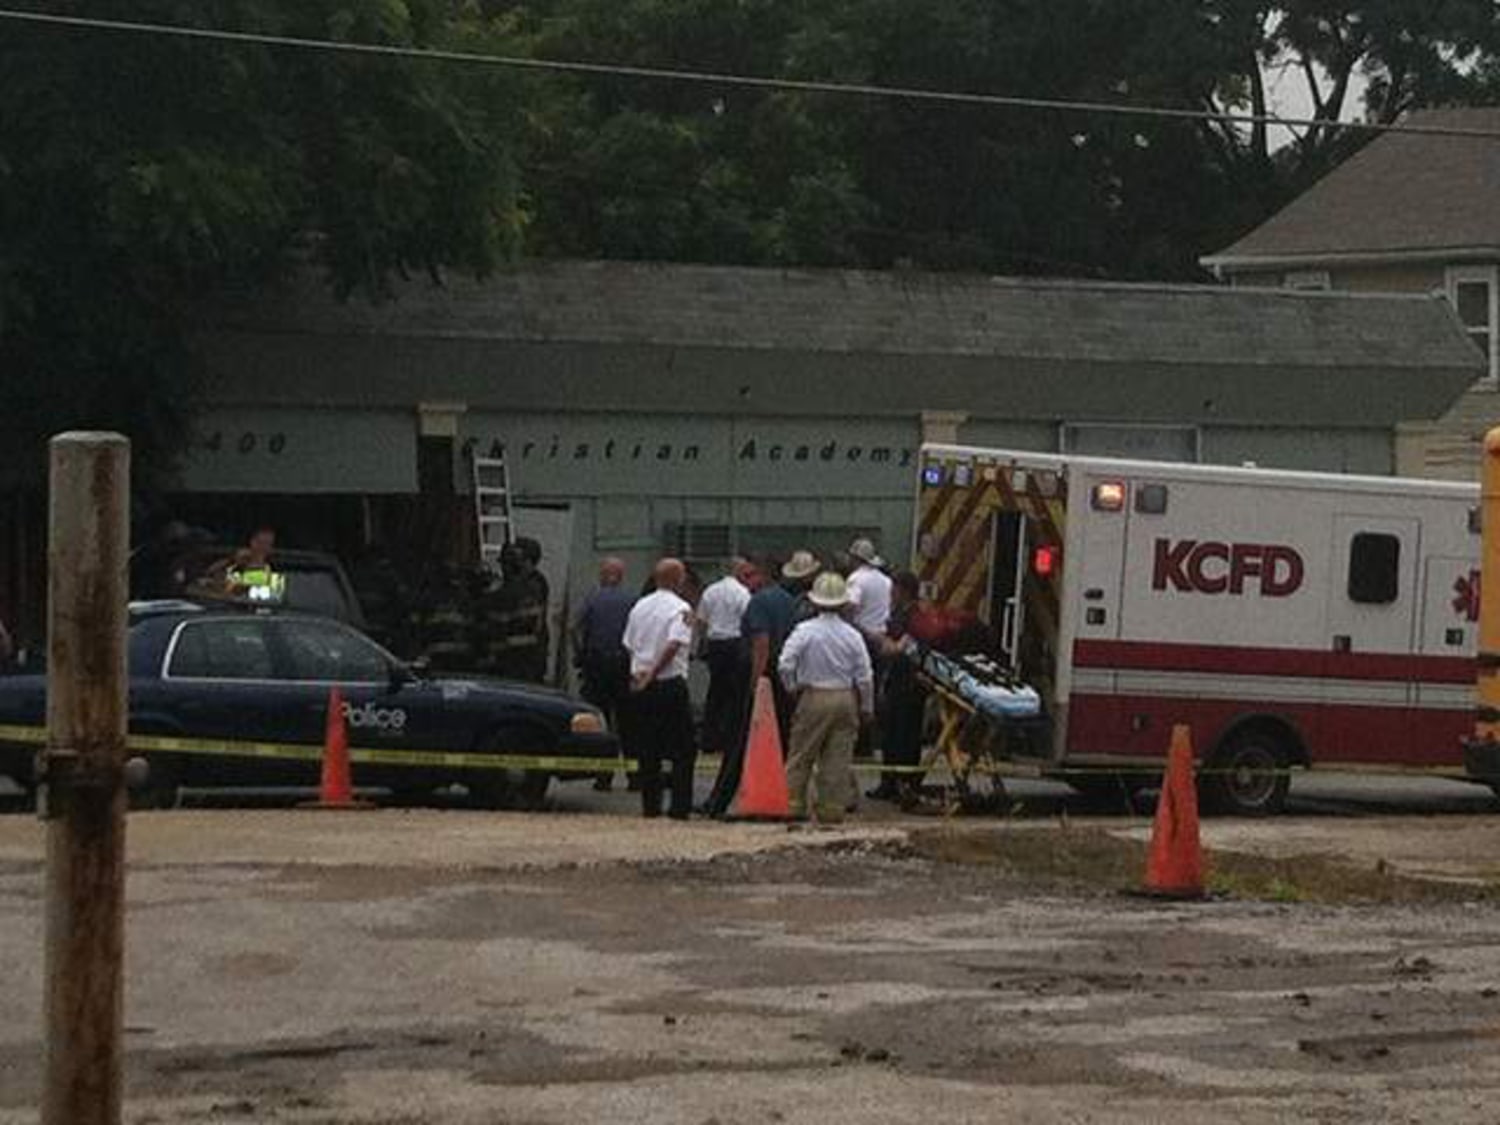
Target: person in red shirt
905	708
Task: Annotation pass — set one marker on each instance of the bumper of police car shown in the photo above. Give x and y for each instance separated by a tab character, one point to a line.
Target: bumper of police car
588	738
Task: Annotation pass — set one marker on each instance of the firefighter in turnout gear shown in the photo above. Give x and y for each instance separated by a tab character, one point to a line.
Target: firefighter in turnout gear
513	621
439	620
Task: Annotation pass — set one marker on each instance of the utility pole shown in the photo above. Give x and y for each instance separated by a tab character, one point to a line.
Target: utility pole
82	773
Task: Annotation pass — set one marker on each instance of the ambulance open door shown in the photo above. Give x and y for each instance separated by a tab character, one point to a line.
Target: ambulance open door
1007	597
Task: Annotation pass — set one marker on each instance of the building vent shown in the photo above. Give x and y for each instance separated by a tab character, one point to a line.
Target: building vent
699	542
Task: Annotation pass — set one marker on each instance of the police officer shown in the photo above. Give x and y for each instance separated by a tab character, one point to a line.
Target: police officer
599	647
825	664
248	573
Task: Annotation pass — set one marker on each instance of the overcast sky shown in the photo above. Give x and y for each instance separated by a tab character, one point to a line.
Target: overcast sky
1288	96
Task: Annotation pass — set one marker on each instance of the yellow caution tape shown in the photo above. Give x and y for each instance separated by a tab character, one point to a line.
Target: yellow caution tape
471	760
358	755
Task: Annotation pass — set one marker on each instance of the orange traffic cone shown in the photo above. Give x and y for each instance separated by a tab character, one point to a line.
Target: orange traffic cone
763	793
336	789
1174	868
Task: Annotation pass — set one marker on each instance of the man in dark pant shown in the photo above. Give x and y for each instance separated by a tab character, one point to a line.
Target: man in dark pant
661	729
768	619
905	709
603	663
659	638
721	612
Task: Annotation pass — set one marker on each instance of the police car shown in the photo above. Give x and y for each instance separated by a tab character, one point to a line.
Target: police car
224	697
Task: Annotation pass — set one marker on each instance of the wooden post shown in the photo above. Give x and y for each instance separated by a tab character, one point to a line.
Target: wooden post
83	795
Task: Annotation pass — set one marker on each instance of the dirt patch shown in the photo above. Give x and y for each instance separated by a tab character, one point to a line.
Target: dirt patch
1073	859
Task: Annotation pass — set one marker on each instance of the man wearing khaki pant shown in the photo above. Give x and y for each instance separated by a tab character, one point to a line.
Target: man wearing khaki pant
826	665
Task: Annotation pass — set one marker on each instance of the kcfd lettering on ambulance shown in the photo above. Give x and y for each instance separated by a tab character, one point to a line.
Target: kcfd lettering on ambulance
1189	565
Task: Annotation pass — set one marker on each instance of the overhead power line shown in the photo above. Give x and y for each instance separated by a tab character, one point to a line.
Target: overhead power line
711	78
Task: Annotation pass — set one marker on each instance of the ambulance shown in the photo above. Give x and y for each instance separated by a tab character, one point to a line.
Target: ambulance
1292	620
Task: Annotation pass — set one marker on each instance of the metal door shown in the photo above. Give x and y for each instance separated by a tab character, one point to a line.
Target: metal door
1008	554
1372	606
1368	685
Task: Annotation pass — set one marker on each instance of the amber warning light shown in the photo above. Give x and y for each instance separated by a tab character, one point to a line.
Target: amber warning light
1109	496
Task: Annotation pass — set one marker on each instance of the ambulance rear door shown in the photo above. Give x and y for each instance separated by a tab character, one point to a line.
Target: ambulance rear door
1372	616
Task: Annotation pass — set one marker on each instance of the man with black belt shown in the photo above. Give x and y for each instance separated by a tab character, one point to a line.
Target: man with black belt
721	611
659	638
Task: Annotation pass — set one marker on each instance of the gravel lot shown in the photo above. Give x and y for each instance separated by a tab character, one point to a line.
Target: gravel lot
426	967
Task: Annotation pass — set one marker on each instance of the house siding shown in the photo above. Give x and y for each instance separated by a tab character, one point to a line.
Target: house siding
1445	449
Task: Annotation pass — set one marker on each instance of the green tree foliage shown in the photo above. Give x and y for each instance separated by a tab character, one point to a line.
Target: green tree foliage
140	175
630	169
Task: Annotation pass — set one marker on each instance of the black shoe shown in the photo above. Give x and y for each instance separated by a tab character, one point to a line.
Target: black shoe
680	815
603	784
883	792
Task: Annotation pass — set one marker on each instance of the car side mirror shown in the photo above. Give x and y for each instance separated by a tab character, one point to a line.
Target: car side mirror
400	676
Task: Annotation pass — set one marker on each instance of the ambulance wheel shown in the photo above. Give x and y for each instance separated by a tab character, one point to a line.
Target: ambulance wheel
1248	775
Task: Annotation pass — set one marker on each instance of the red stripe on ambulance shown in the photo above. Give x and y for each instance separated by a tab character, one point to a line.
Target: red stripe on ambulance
1295	663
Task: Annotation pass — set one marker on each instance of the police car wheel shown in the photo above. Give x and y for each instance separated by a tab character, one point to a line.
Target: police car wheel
525	790
1248	776
157	787
520	790
529	791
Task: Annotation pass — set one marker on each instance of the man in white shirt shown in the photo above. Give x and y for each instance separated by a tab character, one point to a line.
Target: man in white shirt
659	638
825	663
869	592
720	612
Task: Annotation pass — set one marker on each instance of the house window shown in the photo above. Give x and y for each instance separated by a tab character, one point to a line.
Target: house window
1473	293
1307	279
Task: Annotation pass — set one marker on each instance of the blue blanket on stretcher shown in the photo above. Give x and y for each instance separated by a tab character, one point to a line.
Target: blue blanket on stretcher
989	695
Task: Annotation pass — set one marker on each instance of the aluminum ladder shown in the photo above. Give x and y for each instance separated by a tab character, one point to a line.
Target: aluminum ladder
492	516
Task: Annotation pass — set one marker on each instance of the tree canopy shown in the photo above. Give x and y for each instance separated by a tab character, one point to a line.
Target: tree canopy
139	174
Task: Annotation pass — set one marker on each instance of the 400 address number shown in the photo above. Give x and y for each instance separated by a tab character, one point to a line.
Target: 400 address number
244	443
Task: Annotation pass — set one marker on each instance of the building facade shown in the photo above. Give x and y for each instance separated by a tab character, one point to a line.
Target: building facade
707	411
